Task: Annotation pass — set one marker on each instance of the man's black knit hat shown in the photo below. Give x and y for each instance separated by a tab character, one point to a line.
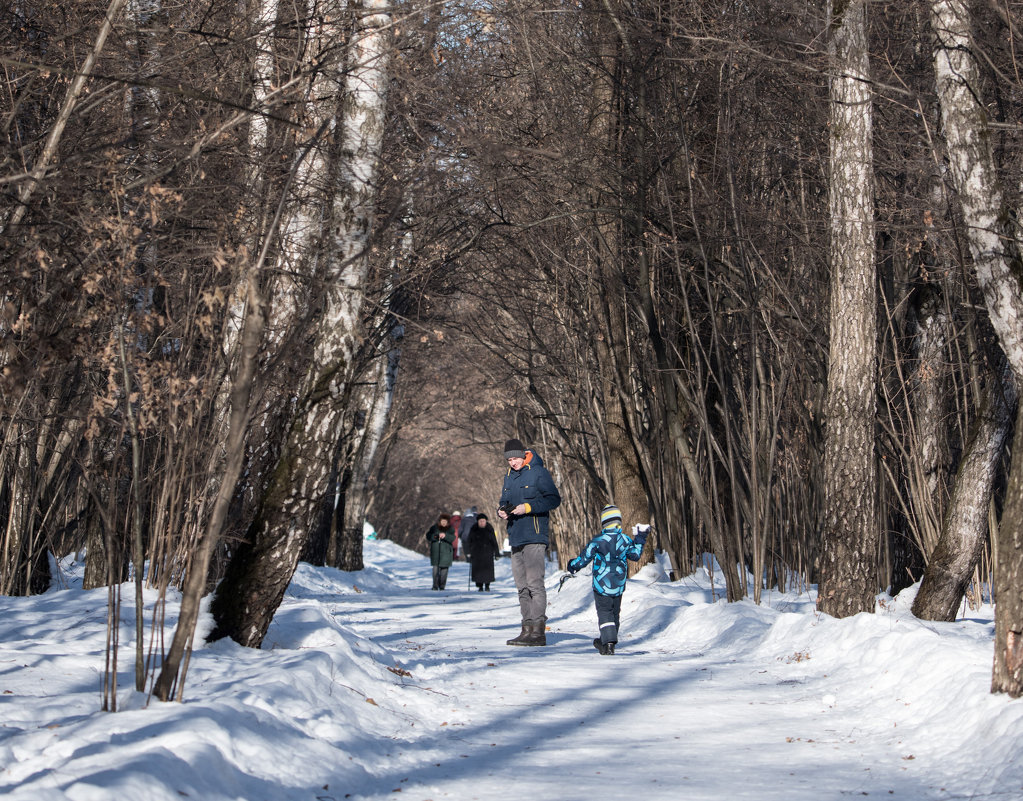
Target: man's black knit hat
514	449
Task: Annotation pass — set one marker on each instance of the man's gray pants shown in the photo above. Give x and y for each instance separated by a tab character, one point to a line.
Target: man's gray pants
528	567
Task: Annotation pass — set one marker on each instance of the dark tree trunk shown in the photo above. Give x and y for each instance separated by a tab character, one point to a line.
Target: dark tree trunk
262	567
965	526
1007	674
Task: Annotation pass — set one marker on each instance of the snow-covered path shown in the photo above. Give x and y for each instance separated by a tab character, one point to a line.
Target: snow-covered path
370	685
660	718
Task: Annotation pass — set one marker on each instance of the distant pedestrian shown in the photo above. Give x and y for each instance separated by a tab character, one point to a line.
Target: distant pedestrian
455	525
468	521
483	549
441	538
610	551
527	498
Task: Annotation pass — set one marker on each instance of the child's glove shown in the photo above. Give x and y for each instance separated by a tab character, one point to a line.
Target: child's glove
574	567
640	528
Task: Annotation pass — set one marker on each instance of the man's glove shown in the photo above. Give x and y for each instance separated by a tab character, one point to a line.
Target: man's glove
640	528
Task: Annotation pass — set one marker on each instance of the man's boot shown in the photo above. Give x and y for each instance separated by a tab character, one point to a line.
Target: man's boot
522	636
536	632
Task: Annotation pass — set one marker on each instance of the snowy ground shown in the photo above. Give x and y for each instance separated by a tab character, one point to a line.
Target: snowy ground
369	684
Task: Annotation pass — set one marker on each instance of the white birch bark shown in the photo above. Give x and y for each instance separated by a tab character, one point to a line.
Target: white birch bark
992	233
930	462
928	394
995	249
850	535
349	556
345	248
15	561
259	573
302	220
262	89
289	240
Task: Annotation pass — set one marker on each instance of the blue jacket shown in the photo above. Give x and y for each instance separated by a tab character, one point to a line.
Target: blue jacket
533	486
609	551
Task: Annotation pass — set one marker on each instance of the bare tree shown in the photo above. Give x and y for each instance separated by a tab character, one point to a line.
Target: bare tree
992	235
964	529
261	569
850	535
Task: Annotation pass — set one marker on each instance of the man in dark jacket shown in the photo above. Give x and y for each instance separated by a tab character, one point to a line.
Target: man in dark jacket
527	499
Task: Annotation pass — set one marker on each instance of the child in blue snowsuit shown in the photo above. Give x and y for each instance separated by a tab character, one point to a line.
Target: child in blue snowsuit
609	551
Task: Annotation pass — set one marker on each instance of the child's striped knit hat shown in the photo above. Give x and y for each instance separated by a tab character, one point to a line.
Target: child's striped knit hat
609	514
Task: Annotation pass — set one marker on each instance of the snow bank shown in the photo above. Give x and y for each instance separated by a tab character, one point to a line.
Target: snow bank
369	684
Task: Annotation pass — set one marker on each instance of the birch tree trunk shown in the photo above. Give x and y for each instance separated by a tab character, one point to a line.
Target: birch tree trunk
928	396
992	237
260	571
265	17
965	525
18	556
848	580
295	238
929	463
954	546
1007	672
346	551
348	555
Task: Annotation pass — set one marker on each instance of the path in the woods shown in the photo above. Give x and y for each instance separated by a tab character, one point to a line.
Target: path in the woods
657	720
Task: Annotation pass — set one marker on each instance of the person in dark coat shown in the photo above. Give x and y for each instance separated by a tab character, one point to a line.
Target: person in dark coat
441	537
527	498
482	551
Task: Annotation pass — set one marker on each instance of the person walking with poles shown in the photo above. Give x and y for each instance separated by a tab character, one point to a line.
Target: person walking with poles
527	498
482	551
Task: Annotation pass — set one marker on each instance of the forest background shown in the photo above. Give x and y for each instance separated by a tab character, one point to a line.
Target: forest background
751	271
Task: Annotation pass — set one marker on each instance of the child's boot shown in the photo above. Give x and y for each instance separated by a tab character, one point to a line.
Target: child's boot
604	648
